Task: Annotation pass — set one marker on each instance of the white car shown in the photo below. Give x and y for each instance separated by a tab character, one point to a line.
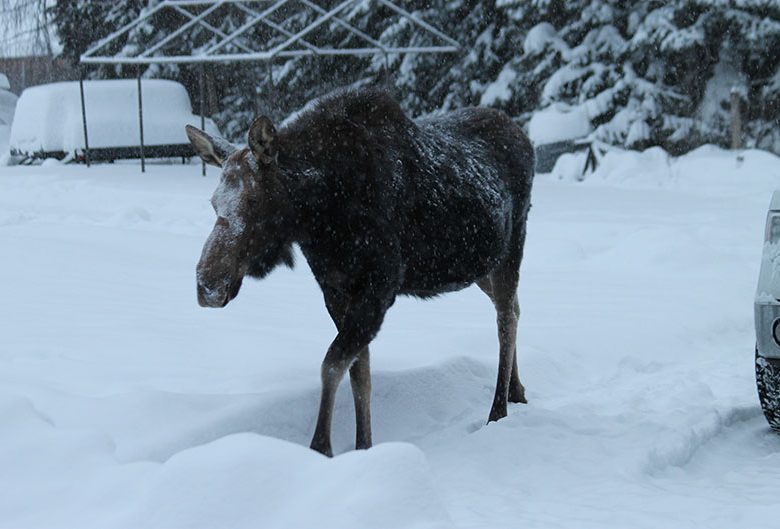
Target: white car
767	316
7	108
49	120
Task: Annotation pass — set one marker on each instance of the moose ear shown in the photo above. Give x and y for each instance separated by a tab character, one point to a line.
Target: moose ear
262	140
213	151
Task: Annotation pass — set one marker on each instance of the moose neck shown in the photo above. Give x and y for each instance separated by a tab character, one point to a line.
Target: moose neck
303	184
274	233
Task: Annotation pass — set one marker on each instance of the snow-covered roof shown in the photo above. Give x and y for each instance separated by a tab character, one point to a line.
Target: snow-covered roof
48	117
239	46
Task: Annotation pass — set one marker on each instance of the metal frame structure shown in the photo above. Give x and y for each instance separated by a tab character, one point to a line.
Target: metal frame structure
258	12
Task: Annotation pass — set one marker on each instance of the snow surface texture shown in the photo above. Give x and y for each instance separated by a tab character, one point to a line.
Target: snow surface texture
48	117
123	404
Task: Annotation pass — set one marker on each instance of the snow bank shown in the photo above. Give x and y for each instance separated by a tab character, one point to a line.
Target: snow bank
238	481
707	170
249	481
48	117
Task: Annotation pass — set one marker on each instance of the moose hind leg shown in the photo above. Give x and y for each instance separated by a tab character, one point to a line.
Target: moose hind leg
516	389
504	283
360	378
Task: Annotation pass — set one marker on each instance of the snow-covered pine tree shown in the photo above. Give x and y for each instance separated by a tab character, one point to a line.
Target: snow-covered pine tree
652	73
633	74
81	23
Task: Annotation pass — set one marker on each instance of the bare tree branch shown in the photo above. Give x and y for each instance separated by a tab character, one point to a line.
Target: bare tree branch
25	21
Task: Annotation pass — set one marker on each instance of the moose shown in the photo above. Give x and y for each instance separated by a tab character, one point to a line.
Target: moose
380	205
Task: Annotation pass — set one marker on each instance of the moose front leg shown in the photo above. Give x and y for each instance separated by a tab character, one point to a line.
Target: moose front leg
359	325
359	373
360	378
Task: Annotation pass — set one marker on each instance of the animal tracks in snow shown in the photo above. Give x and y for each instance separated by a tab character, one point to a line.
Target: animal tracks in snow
680	447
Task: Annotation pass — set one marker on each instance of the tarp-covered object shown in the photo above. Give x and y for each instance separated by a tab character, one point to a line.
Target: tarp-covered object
49	120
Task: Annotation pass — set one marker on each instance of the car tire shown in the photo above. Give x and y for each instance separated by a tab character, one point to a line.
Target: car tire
768	384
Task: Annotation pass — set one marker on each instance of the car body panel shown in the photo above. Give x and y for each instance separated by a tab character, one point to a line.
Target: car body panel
774	205
767	301
766	315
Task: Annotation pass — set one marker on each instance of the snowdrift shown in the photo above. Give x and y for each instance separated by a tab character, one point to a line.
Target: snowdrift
48	117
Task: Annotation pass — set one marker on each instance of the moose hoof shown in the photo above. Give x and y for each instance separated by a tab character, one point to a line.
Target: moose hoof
362	445
496	413
517	396
321	447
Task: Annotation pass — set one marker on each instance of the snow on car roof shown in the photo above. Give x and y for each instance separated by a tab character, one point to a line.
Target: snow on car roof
48	117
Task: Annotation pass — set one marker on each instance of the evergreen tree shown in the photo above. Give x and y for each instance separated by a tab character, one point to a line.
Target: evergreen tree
638	73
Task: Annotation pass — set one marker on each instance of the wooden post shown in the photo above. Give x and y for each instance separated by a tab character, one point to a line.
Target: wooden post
84	115
141	120
736	119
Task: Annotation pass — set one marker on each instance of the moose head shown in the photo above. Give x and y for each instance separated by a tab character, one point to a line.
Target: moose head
251	235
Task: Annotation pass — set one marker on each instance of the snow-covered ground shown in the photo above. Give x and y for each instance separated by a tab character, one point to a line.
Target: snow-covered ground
124	404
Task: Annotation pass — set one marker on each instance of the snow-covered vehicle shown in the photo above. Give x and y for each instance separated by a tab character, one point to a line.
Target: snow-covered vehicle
556	130
7	107
767	316
49	121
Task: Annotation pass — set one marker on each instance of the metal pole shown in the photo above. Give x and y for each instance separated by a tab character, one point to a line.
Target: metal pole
141	120
202	110
84	116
